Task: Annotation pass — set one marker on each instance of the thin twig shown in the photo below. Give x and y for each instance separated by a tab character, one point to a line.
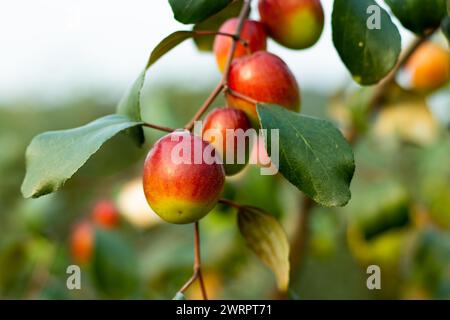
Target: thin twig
197	260
240	95
225	34
230	203
223	83
242	16
212	97
157	127
197	265
386	83
189	283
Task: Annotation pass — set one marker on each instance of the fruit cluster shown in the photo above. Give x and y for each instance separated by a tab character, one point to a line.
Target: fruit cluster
185	192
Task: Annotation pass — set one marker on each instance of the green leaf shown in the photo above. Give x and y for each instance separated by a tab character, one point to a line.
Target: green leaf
167	44
179	296
369	54
314	156
194	11
114	265
267	239
53	157
419	15
445	26
130	104
205	43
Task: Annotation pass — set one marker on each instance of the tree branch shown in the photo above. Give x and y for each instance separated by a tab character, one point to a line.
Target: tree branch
242	16
301	233
240	95
225	34
197	265
382	88
223	83
157	127
212	97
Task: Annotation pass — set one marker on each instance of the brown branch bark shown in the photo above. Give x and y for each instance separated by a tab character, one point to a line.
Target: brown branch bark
197	275
223	82
157	127
212	97
225	34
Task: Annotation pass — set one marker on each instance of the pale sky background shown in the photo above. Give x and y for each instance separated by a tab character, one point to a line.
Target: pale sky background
54	48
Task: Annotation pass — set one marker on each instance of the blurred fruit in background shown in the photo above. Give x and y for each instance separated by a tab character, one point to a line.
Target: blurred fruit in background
134	207
82	242
105	214
127	261
428	68
408	121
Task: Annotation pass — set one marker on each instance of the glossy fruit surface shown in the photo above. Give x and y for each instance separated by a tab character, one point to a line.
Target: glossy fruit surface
296	24
183	178
220	128
263	77
252	32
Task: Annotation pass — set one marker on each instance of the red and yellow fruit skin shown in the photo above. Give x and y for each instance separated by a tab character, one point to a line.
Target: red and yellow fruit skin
82	243
265	78
181	192
429	67
105	214
252	31
296	24
218	121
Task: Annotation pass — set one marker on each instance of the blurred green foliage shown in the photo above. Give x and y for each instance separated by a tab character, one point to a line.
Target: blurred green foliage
398	218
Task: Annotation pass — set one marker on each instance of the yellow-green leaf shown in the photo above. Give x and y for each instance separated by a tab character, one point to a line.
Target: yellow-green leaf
267	239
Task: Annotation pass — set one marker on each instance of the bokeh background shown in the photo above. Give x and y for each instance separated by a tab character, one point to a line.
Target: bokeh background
64	63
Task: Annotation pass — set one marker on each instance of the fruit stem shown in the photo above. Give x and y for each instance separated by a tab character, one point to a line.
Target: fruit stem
223	83
219	33
197	261
197	265
212	97
242	16
240	95
157	127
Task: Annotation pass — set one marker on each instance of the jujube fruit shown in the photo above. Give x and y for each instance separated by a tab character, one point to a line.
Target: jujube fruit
82	242
105	214
252	32
182	190
296	24
217	123
265	78
429	67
